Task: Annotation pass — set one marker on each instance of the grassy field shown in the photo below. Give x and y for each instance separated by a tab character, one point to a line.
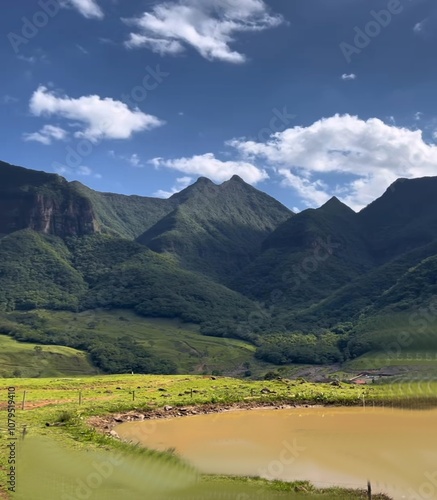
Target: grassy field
170	339
179	342
413	360
21	359
54	401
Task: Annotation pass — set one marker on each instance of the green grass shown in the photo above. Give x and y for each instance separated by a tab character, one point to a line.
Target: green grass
57	400
192	352
21	359
179	342
426	361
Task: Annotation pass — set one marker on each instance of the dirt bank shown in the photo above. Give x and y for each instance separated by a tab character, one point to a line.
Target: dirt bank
106	423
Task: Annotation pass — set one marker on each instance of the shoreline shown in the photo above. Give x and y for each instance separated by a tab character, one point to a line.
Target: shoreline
107	423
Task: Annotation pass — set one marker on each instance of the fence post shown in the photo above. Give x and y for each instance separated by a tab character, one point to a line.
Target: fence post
24	400
369	490
80	397
133	395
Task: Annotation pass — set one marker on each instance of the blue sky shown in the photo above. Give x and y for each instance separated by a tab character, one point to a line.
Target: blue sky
302	99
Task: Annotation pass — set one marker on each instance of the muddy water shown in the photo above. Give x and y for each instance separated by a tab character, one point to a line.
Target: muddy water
396	449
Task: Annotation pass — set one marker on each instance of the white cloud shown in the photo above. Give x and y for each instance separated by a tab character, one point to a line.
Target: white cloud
161	47
181	183
102	118
365	156
9	99
133	159
47	135
88	8
418	116
418	27
209	26
79	171
345	76
209	166
38	56
308	190
82	49
83	170
30	59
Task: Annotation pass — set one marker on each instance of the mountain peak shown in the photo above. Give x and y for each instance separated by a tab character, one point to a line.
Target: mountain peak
334	204
237	178
203	180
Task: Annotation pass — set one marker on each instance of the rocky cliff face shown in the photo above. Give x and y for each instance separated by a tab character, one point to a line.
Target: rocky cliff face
47	204
63	216
72	216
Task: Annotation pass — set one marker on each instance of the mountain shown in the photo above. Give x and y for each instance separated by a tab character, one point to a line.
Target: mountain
402	219
321	286
124	216
308	257
43	202
36	271
216	229
49	204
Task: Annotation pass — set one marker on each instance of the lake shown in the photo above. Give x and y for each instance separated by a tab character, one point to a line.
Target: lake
395	449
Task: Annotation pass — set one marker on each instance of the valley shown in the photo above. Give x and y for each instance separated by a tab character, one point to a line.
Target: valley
218	250
321	287
119	308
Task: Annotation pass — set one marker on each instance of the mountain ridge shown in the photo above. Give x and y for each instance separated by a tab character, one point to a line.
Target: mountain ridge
227	257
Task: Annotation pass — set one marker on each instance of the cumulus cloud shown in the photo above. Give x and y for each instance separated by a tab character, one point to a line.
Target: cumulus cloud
351	76
88	8
308	190
365	156
47	135
215	169
102	118
181	183
208	26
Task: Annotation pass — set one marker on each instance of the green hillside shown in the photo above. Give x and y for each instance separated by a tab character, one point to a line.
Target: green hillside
307	257
125	216
18	359
180	343
36	271
324	286
216	230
